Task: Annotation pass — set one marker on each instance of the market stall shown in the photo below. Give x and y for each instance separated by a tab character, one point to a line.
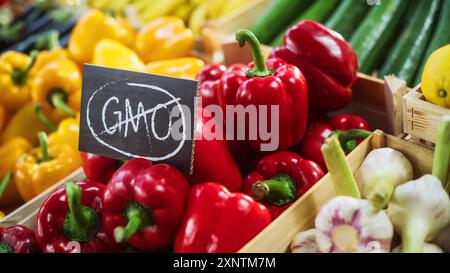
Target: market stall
306	126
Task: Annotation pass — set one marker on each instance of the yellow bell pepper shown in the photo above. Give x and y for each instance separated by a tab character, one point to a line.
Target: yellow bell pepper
113	54
92	28
2	215
57	90
15	80
9	153
2	117
42	167
67	133
24	123
55	52
181	68
436	77
164	38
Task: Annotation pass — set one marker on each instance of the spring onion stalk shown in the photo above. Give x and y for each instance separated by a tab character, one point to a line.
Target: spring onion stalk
305	242
419	211
379	174
339	169
427	248
351	225
442	152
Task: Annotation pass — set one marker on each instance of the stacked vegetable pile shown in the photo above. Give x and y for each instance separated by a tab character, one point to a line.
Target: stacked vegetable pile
41	94
418	210
394	37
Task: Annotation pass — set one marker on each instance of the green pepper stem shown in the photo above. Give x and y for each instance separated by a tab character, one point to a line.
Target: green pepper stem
5	248
380	192
340	171
138	216
74	200
442	151
19	76
53	41
260	70
42	136
58	100
123	234
42	118
279	191
347	138
81	223
5	182
413	236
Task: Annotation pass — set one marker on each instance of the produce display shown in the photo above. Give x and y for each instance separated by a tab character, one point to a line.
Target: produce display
304	119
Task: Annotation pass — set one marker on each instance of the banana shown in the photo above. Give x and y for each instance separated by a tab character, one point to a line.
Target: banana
162	7
184	11
214	8
233	5
198	18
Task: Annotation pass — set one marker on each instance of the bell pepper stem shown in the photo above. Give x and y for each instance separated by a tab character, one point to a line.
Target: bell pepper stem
19	76
53	41
347	138
340	171
58	100
442	151
5	182
260	70
380	193
123	234
279	191
5	248
81	222
42	136
138	216
42	118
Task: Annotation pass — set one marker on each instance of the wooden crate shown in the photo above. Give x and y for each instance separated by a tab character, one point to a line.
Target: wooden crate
420	117
300	216
26	214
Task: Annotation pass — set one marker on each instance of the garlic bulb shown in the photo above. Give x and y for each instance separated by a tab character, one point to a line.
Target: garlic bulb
347	224
382	170
427	248
419	210
305	242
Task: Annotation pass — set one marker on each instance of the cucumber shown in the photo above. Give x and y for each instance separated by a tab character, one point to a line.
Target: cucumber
347	17
319	11
405	56
441	37
376	32
276	17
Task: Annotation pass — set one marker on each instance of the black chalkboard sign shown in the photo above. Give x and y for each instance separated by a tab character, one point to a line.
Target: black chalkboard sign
127	114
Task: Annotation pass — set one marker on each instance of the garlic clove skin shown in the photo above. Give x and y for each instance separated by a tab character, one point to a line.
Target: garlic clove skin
381	171
427	248
347	224
305	242
419	210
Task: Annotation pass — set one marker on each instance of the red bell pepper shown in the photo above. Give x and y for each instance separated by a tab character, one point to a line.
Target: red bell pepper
217	220
281	178
349	127
17	239
268	84
326	59
98	168
144	204
212	159
70	220
209	78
